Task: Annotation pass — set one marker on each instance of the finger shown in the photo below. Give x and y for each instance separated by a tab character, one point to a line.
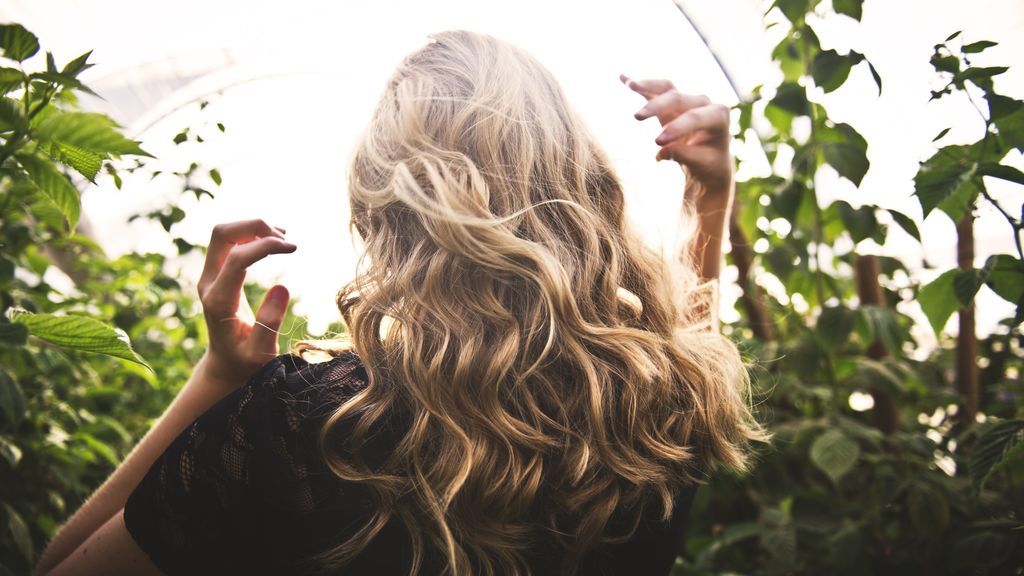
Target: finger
713	118
268	321
224	293
670	104
648	88
225	236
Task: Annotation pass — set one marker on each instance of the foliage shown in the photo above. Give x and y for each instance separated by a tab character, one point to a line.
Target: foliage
906	487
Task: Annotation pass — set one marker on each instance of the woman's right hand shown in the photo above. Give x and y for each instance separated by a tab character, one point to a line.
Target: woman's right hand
240	342
695	132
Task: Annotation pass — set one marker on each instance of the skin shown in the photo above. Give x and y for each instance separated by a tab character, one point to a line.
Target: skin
95	540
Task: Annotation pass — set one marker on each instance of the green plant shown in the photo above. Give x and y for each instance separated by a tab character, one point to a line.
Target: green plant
914	485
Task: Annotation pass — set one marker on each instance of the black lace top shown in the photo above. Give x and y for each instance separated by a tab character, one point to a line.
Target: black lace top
243	490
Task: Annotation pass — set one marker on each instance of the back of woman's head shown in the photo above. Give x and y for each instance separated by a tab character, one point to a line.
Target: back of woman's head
545	378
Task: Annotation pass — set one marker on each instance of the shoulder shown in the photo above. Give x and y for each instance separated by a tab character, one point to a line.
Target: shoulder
311	390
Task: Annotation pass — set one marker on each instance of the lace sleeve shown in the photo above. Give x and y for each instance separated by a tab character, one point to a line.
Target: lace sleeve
221	499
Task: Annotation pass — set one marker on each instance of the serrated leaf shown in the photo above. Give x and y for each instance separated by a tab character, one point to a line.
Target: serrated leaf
63	80
10	79
947	174
84	162
1006	277
906	223
54	186
967	283
834	453
78	65
88	131
79	333
17	43
938	300
992	446
846	151
12	115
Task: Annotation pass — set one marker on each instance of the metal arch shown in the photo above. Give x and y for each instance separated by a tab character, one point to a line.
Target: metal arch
704	40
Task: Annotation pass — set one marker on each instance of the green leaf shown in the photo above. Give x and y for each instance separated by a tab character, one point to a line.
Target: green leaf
78	65
12	402
215	176
852	8
994	443
63	80
17	530
907	223
80	333
938	300
946	178
967	283
84	162
1011	129
17	43
954	35
875	76
834	453
940	135
791	97
1000	106
846	151
88	131
1006	277
1001	171
880	323
12	115
794	10
10	79
830	69
55	186
979	46
861	222
834	326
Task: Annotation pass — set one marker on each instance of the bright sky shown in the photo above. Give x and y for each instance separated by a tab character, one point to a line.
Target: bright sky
299	83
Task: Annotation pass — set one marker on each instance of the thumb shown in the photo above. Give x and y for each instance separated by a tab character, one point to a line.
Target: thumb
268	320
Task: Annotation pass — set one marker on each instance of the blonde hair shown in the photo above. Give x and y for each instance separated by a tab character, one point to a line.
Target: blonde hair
488	312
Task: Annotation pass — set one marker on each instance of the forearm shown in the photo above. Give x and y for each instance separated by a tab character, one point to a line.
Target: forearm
712	210
198	395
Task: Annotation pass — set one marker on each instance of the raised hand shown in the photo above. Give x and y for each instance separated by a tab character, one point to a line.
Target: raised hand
695	134
240	342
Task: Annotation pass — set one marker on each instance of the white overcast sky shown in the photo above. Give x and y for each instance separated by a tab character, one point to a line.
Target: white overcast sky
298	81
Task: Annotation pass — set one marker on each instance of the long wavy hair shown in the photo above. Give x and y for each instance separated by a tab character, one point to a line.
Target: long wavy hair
547	371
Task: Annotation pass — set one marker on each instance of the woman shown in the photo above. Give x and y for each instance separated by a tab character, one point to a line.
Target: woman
525	391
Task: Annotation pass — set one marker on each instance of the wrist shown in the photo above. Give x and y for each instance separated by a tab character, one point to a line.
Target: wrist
216	372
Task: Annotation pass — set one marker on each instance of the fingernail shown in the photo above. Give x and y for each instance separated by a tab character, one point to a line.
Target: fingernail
278	294
641	113
662	139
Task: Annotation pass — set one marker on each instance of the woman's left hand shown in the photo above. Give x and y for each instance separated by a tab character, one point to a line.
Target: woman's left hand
695	132
240	342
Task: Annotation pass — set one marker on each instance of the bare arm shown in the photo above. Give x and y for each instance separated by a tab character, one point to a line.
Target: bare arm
696	135
237	348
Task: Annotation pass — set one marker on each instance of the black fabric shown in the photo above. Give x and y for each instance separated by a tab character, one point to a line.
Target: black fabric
243	490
